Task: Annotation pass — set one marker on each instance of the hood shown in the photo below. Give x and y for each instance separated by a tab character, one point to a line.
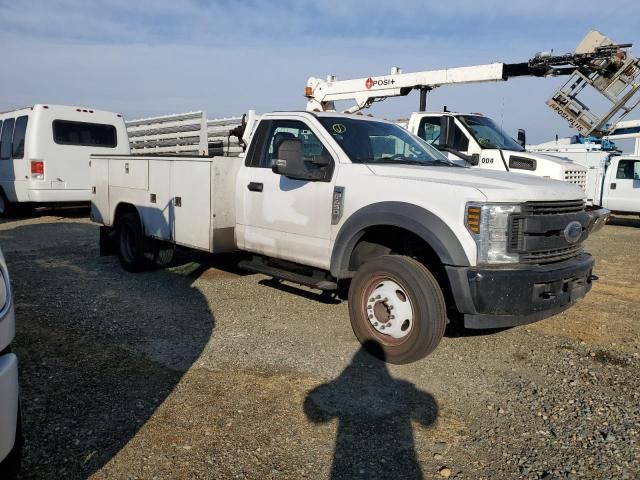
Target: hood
539	156
496	186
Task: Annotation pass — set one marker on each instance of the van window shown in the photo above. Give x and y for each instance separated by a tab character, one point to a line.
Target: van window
5	138
18	136
66	132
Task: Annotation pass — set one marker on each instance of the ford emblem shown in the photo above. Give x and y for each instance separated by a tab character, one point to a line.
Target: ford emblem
573	231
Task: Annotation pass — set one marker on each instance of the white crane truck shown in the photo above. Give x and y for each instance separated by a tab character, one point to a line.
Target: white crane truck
607	68
353	204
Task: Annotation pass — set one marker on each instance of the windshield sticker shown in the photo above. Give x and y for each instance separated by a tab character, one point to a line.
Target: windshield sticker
339	128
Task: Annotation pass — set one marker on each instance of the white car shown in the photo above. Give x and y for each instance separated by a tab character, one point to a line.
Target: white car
10	420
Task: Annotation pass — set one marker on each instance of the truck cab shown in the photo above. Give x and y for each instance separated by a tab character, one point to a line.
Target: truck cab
476	140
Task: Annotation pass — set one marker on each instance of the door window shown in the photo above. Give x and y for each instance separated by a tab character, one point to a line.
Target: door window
429	131
628	170
282	130
5	138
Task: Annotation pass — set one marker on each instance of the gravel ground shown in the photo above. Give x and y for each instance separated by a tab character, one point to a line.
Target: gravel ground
199	371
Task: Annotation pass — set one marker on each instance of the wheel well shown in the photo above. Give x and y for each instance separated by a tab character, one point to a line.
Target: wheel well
384	240
123	208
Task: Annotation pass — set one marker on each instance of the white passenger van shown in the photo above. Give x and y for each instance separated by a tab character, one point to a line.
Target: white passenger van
44	153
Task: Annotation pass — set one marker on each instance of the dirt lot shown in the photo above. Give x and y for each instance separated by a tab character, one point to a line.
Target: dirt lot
201	372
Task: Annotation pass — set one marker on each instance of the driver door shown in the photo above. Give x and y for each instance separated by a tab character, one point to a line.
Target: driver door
279	216
624	189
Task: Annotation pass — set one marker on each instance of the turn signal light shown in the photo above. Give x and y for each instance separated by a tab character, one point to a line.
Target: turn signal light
308	91
473	219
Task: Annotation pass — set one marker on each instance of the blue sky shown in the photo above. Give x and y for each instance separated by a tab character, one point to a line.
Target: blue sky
148	57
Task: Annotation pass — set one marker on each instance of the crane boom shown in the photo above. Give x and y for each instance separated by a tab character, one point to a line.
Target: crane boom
597	62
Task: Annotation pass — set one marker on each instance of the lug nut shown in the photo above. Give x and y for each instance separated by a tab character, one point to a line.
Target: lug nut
389	324
370	316
372	299
378	297
390	307
392	317
370	307
375	324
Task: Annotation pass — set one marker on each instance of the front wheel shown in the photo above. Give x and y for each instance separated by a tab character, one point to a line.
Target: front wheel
396	302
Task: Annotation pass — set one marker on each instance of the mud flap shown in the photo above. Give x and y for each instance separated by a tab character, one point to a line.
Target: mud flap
107	241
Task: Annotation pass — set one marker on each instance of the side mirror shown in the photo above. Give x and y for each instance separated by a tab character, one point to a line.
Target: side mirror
522	137
447	132
290	162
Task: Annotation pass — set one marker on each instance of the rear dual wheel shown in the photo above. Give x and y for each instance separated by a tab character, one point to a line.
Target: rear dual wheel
397	304
136	252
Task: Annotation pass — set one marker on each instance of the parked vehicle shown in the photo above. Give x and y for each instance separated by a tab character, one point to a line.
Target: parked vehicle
341	202
613	179
10	418
478	140
44	153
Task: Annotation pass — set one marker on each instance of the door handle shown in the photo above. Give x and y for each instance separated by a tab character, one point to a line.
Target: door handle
255	186
613	186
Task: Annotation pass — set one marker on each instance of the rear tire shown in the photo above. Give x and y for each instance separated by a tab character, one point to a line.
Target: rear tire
135	252
396	302
6	207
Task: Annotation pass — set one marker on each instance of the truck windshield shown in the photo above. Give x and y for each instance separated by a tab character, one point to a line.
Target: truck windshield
366	141
488	134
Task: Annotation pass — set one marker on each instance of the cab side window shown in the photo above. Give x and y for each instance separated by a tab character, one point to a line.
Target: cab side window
429	131
628	170
282	130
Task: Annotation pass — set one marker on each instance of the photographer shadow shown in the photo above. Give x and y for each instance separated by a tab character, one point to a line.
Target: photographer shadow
374	412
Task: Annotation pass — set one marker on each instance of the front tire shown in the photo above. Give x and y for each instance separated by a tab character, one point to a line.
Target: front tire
396	302
134	251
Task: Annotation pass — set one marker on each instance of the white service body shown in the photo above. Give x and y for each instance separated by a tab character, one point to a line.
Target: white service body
49	162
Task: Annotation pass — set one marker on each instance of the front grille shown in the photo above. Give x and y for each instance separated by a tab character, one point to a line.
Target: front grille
534	231
549	256
577	177
551	208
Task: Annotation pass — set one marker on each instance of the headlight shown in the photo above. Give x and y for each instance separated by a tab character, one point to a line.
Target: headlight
489	226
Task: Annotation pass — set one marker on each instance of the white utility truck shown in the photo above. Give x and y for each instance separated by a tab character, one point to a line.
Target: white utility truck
346	203
613	179
10	417
604	67
44	153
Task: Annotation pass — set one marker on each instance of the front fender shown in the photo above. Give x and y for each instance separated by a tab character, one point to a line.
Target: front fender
431	228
